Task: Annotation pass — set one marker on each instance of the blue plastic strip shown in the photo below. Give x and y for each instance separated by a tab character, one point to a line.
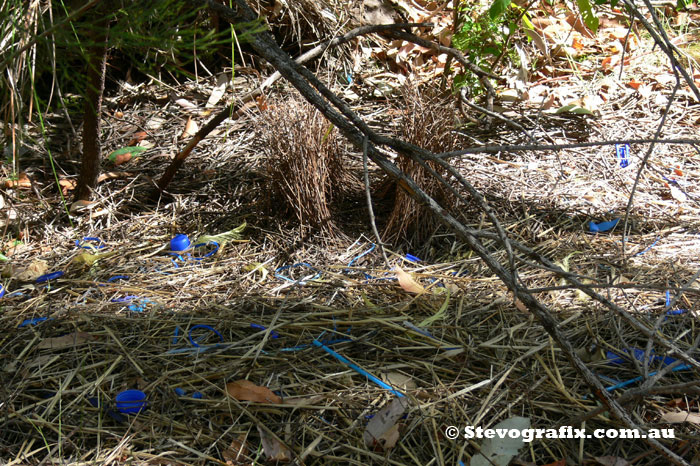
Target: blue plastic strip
2	291
84	243
273	334
358	369
362	255
210	253
124	299
412	258
207	327
299	264
176	334
117	277
49	276
649	247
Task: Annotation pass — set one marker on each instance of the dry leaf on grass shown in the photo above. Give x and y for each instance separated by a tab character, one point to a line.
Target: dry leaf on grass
22	181
191	128
245	390
236	453
382	431
407	282
275	451
33	271
681	417
66	341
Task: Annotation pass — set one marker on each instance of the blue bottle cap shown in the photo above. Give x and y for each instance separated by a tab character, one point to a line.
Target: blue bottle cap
180	242
131	401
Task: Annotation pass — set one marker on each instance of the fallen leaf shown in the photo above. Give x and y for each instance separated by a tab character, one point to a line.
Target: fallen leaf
186	104
33	271
236	452
407	282
191	129
273	448
137	138
82	206
245	390
65	341
379	428
634	84
218	92
22	181
681	417
500	450
399	380
67	185
677	194
612	461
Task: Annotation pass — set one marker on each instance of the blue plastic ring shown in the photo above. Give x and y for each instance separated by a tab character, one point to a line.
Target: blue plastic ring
208	327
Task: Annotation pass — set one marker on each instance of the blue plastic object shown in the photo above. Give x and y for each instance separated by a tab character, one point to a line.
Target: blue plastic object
602	226
197	396
622	151
207	327
85	243
49	276
2	291
34	321
179	391
180	242
412	258
131	401
273	334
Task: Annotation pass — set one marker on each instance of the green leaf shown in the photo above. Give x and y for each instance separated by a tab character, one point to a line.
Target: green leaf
498	7
526	21
589	18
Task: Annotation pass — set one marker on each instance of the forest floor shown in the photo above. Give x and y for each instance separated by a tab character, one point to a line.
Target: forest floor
322	332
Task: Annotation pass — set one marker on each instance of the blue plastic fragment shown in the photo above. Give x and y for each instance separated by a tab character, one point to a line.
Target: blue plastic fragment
207	327
357	369
34	321
176	334
622	152
2	291
210	253
602	226
299	264
412	258
124	299
197	396
614	358
49	276
131	401
117	277
179	391
84	243
273	334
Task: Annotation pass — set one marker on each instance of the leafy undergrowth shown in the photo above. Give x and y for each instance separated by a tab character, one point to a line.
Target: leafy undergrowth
272	342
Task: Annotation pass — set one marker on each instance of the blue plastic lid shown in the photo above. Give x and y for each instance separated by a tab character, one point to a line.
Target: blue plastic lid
180	242
131	401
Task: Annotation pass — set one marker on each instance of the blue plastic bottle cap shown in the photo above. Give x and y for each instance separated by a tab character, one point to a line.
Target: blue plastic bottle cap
131	401
179	243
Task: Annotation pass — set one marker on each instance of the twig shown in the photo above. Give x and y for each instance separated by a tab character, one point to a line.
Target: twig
369	204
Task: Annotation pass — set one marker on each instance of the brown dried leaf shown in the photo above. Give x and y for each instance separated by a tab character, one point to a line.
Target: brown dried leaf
235	454
22	181
66	341
191	128
408	283
681	417
274	450
33	271
137	138
245	390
